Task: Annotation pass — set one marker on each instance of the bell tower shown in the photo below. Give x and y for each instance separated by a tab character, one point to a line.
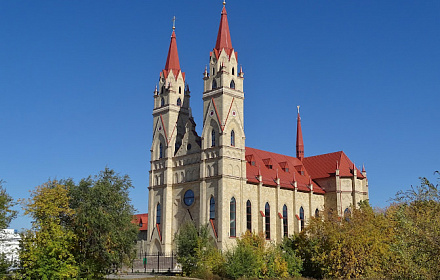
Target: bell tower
223	138
223	93
171	117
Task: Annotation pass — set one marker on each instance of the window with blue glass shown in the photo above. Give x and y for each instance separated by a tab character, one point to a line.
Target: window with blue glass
158	214
188	198
232	218
212	208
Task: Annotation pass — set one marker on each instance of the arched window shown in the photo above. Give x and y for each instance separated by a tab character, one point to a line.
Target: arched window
301	217
213	138
213	71
232	84
162	102
180	89
233	71
317	213
160	150
179	102
285	226
232	138
158	214
232	217
212	208
347	214
248	216
267	222
214	84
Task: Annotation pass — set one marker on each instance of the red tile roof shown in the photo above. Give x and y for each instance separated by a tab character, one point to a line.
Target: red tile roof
324	166
141	219
287	167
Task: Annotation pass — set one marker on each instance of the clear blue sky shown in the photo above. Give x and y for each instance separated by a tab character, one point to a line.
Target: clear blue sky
77	81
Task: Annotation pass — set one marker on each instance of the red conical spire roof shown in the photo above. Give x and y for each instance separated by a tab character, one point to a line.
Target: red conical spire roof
173	57
299	139
172	63
223	36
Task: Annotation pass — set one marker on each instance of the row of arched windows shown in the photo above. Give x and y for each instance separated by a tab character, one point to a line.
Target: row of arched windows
213	138
162	102
233	217
214	84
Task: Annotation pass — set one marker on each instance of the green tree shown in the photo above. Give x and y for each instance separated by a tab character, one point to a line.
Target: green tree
416	214
7	214
102	223
197	253
46	249
253	258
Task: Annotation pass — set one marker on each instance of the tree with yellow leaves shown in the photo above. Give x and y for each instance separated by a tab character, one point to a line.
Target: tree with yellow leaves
46	249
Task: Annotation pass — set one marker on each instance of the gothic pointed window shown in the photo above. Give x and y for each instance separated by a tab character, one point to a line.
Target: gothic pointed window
232	138
232	218
347	214
180	89
232	84
179	102
233	71
162	102
248	216
267	218
160	150
213	138
301	217
285	221
212	208
214	84
158	214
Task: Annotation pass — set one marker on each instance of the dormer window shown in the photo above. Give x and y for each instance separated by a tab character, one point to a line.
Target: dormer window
284	166
268	163
250	159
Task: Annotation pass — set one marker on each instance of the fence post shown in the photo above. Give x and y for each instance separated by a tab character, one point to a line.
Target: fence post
172	261
145	263
158	260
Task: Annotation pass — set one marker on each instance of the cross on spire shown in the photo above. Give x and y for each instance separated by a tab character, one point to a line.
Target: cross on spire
174	22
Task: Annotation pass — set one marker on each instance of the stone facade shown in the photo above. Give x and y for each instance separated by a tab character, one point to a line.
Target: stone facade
215	180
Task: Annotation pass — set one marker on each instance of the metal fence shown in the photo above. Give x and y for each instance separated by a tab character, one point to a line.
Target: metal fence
158	263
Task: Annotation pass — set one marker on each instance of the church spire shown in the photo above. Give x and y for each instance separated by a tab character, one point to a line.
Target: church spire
299	139
172	63
223	36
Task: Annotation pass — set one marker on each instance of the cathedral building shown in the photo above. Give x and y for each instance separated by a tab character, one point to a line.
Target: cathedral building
213	179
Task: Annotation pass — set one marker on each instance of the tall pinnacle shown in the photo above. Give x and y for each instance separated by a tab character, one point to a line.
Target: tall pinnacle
223	36
299	139
172	63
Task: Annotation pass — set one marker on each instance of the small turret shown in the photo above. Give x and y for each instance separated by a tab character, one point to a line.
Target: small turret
299	139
